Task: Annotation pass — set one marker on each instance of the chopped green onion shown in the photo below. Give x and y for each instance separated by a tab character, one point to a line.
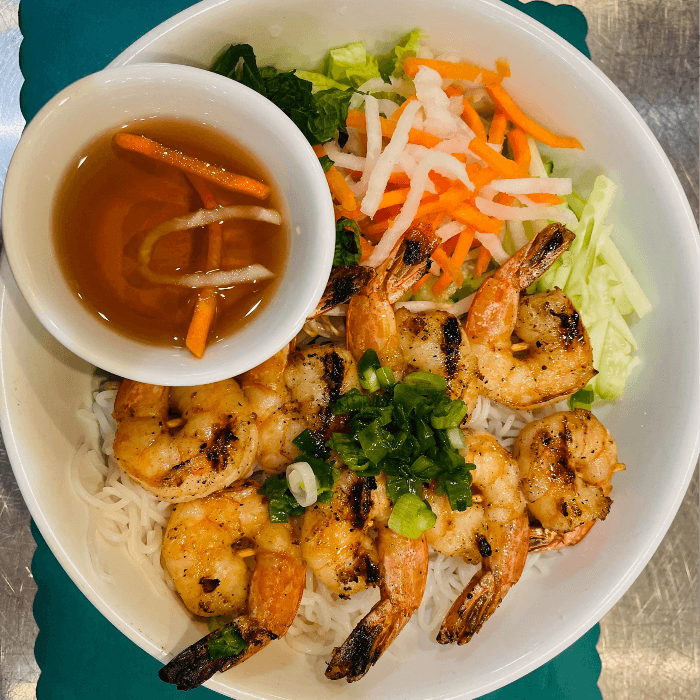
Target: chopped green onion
367	370
369	381
227	642
583	398
411	516
456	438
449	415
385	377
432	380
375	441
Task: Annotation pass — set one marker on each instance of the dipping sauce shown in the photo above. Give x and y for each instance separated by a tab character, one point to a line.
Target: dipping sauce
109	201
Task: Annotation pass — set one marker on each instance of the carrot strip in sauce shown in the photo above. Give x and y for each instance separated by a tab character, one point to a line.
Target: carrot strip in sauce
529	126
473	120
521	151
499	163
497	132
205	308
219	176
482	261
449	70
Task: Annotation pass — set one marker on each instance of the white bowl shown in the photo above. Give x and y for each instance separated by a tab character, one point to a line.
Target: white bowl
656	425
102	103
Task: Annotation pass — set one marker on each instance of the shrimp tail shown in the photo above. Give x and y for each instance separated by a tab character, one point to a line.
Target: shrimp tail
545	248
477	602
544	540
194	665
367	642
503	564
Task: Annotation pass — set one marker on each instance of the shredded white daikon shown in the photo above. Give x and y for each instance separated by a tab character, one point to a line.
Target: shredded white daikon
533	185
433	161
374	141
493	245
505	213
382	169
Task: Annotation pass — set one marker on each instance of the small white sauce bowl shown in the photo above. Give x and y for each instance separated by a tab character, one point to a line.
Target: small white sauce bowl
104	102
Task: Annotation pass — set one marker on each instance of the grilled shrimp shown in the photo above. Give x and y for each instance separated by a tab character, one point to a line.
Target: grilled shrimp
558	359
211	445
566	463
434	341
206	549
336	543
494	531
370	322
292	391
343	283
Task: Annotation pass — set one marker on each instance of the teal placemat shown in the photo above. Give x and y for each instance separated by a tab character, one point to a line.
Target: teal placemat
81	655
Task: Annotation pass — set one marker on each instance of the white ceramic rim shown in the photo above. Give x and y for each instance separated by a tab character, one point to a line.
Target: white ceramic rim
235	353
691	448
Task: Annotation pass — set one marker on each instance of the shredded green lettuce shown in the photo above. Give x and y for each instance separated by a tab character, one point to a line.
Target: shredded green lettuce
603	289
350	65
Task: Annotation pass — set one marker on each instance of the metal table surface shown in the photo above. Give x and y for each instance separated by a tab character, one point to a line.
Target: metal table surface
649	645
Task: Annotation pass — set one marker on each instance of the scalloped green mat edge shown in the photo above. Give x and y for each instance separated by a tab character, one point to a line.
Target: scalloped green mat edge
80	653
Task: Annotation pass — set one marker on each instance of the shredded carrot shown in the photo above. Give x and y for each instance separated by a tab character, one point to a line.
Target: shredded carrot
399	179
356	120
529	126
482	261
352	214
473	120
336	182
497	131
503	67
340	189
479	176
445	262
470	215
505	199
453	91
545	198
366	248
397	113
452	71
454	195
464	241
463	245
418	285
227	180
521	151
205	308
499	163
450	244
395	197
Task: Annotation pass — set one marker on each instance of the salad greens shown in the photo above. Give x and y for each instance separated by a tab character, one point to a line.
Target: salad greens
348	249
601	285
318	115
317	102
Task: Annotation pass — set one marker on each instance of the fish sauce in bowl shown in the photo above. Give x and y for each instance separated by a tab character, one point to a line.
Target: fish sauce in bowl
111	198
